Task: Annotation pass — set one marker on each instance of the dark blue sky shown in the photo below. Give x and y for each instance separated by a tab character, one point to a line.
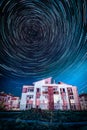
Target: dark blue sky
41	39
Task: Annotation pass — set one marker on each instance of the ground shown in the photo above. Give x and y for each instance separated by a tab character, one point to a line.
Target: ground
35	119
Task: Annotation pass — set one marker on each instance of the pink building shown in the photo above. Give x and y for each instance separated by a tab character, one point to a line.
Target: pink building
9	101
83	101
15	103
47	95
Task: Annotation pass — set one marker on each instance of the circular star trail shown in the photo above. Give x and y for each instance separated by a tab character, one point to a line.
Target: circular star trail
40	38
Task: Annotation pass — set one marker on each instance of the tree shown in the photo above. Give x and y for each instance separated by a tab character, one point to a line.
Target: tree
2	105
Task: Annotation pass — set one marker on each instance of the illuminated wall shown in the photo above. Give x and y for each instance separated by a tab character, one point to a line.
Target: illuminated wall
47	95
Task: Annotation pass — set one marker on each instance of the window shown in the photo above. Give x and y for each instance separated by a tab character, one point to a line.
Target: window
73	107
38	95
38	89
31	90
64	97
56	92
45	92
46	82
55	89
46	96
8	98
62	90
46	89
69	90
29	96
24	90
71	97
29	106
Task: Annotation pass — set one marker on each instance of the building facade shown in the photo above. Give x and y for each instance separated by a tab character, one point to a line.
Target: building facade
15	103
9	102
83	101
47	95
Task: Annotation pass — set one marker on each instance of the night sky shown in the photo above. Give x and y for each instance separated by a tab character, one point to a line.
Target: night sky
40	39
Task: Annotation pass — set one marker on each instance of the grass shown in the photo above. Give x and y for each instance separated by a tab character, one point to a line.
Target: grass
43	115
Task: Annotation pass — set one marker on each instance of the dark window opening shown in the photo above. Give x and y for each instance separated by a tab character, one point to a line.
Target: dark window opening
38	89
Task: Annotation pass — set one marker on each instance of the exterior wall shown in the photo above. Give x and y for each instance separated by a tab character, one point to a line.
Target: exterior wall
25	98
50	96
44	97
5	100
64	102
15	103
76	98
9	102
83	101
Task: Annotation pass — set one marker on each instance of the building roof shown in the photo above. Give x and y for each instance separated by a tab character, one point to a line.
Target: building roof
27	86
3	94
47	79
83	94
